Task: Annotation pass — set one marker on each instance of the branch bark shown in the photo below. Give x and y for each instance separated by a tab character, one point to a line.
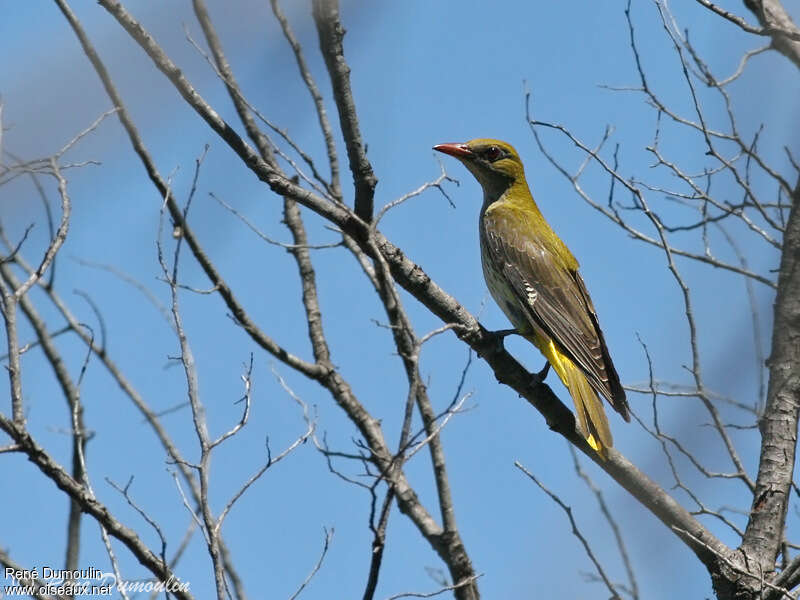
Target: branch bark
779	26
778	426
331	33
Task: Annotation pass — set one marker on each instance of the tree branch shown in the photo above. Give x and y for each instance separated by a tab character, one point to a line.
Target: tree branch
412	278
778	425
75	490
777	24
331	32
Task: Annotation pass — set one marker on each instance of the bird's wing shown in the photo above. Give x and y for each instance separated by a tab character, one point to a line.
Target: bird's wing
554	297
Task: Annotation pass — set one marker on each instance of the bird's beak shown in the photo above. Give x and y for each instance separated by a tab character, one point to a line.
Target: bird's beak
457	150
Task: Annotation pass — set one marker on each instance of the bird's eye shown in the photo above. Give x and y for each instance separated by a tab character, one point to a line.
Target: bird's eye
493	153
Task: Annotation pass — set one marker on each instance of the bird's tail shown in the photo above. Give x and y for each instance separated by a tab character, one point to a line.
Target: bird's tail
592	421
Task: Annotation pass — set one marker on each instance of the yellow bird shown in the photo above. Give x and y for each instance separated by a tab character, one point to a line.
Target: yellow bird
534	279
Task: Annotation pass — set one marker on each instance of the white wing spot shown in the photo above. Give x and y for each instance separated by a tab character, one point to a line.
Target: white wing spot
532	293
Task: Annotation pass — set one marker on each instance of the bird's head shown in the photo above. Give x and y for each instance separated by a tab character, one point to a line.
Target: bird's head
495	164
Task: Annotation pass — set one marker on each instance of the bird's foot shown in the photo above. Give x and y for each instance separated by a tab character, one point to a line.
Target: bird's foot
538	378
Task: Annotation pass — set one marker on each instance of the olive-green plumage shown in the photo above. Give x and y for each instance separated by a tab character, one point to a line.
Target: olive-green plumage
534	279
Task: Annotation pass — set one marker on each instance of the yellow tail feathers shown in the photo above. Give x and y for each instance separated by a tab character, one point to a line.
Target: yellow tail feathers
592	419
591	416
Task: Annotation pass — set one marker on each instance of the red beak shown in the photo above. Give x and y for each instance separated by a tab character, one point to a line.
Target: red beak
457	150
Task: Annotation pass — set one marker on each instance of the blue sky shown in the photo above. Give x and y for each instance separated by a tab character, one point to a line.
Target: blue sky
422	73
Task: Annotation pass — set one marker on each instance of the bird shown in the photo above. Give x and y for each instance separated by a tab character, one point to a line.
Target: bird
534	278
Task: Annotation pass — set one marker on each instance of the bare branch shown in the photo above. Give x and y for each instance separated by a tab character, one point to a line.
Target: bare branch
326	542
778	425
271	460
447	588
58	240
8	563
759	579
743	62
735	19
331	33
436	183
56	473
576	532
612	522
125	491
265	237
261	141
612	214
138	285
775	23
327	131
